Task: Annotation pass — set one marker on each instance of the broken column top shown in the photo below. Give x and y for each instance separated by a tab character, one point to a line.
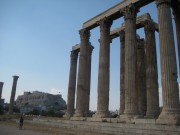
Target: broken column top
15	77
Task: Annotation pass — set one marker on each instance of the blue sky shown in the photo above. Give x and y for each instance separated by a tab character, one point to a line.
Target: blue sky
36	37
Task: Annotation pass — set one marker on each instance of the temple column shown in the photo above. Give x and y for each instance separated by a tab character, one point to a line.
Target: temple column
13	93
131	106
171	109
90	49
1	87
151	71
72	83
104	67
82	73
122	72
141	77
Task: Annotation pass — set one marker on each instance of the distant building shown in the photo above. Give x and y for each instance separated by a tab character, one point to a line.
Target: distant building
40	101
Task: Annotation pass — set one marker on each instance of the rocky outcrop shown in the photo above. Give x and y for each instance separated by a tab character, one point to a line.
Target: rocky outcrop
37	98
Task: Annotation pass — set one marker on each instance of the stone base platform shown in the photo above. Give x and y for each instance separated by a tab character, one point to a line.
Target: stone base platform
111	126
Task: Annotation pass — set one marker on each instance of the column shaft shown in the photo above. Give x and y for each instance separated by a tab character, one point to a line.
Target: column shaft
122	72
82	74
131	107
72	84
1	87
151	72
13	93
104	67
90	49
171	109
141	77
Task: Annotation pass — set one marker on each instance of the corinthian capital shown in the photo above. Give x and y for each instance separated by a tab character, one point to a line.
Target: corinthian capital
105	23
129	12
84	34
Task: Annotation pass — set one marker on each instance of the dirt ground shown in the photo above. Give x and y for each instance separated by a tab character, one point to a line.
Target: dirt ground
11	128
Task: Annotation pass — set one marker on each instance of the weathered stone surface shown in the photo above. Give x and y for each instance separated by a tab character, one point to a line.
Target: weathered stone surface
122	72
87	98
72	83
141	77
13	93
113	12
131	107
103	73
139	24
82	73
151	71
171	109
37	98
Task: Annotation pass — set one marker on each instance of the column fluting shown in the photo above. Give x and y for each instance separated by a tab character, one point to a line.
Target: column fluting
131	108
141	77
72	83
171	109
104	67
82	73
122	72
90	49
151	71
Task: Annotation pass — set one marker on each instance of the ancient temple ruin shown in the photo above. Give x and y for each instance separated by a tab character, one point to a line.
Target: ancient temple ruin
139	97
40	101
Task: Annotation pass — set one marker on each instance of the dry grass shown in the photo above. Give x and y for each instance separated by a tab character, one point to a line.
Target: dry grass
51	130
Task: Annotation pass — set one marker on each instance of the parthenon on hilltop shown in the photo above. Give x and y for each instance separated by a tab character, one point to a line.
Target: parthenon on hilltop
139	96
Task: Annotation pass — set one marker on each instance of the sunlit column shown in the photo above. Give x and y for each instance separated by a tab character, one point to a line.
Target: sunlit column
90	49
171	109
72	83
82	73
131	106
104	67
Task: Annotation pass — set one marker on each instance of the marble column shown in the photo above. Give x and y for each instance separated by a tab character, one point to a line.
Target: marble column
131	106
122	72
13	93
1	87
171	109
141	77
72	83
104	67
151	71
82	73
87	99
